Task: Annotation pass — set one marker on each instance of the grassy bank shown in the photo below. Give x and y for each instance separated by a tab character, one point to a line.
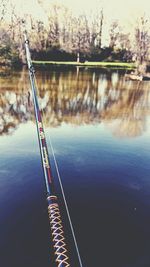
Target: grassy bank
101	64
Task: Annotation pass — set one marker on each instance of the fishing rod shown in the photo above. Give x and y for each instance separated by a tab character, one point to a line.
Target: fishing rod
56	227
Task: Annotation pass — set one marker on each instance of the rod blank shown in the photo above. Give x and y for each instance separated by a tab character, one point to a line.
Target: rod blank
56	227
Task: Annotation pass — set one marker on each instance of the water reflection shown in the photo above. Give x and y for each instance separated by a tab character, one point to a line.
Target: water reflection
77	97
101	174
15	106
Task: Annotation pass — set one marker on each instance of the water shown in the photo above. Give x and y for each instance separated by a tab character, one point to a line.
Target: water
99	124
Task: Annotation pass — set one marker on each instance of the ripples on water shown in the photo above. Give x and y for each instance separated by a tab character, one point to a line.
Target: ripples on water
99	125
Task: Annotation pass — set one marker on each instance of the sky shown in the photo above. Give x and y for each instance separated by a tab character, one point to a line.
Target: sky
114	9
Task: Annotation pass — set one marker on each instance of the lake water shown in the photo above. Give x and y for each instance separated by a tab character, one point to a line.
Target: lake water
99	124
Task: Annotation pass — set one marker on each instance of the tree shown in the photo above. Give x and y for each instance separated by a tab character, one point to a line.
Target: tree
96	30
81	35
3	9
142	43
114	33
66	30
54	27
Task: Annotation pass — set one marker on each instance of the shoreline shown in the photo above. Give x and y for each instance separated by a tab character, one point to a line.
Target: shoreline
123	65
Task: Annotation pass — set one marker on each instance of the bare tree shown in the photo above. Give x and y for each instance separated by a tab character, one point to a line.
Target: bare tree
101	19
66	29
54	31
142	43
81	35
3	9
96	30
114	33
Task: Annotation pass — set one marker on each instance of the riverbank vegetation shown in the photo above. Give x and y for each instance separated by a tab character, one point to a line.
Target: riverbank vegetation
65	37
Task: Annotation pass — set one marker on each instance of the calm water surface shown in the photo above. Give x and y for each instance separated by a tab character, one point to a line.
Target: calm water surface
99	124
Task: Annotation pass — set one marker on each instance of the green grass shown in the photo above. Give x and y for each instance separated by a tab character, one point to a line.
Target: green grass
88	64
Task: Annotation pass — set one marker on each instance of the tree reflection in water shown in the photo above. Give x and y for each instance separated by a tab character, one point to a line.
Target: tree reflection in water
77	97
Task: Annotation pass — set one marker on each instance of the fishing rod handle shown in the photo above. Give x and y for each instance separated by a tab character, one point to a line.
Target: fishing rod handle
60	250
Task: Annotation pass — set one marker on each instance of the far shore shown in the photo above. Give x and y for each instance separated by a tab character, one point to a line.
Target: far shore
101	64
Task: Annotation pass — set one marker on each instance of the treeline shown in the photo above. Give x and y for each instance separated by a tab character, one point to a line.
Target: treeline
63	36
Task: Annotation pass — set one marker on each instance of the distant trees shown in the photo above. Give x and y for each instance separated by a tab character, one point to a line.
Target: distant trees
120	42
5	46
9	54
54	24
81	35
142	43
78	35
3	9
96	30
114	33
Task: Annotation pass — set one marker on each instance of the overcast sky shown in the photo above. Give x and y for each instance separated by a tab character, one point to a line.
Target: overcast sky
120	9
112	7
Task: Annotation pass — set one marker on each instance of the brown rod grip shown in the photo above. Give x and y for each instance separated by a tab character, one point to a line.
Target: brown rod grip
60	250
